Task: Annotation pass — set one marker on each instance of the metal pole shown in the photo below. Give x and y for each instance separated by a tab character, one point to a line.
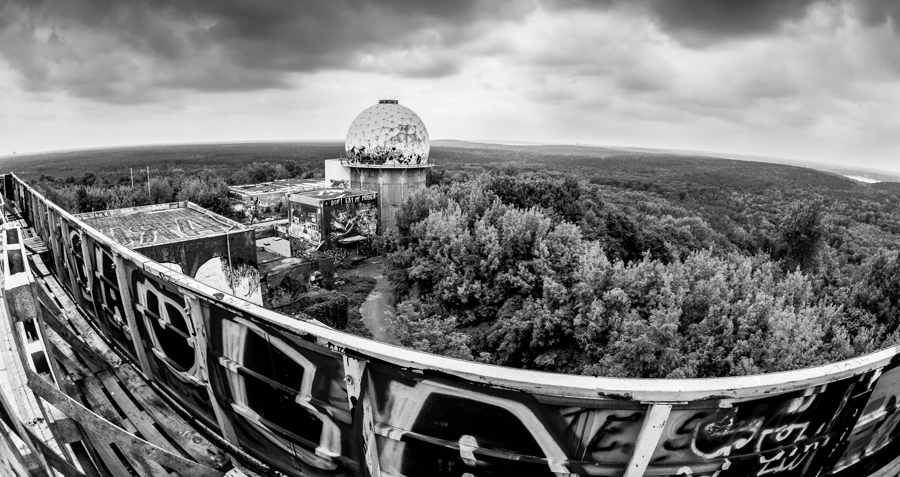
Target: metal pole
148	182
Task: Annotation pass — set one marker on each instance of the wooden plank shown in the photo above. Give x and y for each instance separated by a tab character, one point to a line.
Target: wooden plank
94	362
85	331
55	460
14	368
103	449
185	436
93	394
143	465
61	352
94	444
136	419
192	442
92	390
42	450
67	430
18	306
141	421
11	458
95	397
56	291
125	441
38	267
40	326
35	245
87	457
45	286
56	422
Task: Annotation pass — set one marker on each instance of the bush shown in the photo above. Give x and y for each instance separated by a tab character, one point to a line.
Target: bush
544	274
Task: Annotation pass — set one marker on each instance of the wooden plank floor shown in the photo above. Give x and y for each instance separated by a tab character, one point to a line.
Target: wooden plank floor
35	245
111	388
12	384
95	376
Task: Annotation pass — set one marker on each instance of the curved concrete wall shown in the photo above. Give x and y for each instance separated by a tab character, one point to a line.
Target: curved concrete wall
314	401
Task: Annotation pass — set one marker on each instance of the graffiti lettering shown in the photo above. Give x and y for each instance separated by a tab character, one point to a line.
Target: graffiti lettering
722	435
161	232
786	461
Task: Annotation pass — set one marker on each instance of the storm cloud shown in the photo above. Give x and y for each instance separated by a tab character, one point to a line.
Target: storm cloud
699	73
120	48
124	50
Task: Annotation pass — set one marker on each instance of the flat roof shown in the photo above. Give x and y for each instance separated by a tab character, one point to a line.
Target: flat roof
269	262
282	186
137	227
331	197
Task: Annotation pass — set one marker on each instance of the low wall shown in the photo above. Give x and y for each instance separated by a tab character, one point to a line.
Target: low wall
314	401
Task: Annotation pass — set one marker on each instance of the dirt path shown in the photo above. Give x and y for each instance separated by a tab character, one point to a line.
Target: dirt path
374	310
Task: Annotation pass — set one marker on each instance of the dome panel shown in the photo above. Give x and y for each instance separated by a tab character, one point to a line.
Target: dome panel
387	133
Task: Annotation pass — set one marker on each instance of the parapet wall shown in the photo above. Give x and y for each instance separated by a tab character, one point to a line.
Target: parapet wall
314	401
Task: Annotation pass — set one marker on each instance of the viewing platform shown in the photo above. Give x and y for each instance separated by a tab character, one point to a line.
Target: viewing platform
70	405
114	364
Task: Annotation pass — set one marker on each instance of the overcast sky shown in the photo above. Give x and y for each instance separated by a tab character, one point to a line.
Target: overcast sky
809	80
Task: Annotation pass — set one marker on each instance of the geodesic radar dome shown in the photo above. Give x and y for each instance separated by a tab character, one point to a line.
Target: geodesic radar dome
387	133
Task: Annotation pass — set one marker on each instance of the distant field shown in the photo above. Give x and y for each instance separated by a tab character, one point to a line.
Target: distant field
187	156
603	165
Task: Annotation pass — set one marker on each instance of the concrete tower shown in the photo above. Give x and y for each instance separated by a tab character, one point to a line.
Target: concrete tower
387	152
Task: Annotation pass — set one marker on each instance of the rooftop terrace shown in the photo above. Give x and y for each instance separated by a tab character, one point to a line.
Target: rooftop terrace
137	227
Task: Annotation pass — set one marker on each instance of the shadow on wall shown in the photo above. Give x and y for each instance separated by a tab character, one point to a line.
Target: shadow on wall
241	281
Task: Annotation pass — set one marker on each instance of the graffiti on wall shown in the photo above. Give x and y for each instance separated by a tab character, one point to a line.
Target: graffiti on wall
353	223
288	399
339	184
306	225
139	231
338	227
108	300
310	409
780	435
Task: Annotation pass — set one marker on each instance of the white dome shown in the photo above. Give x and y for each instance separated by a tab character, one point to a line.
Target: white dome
387	133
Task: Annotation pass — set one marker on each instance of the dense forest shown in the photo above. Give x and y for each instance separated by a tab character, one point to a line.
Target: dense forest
590	260
648	271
